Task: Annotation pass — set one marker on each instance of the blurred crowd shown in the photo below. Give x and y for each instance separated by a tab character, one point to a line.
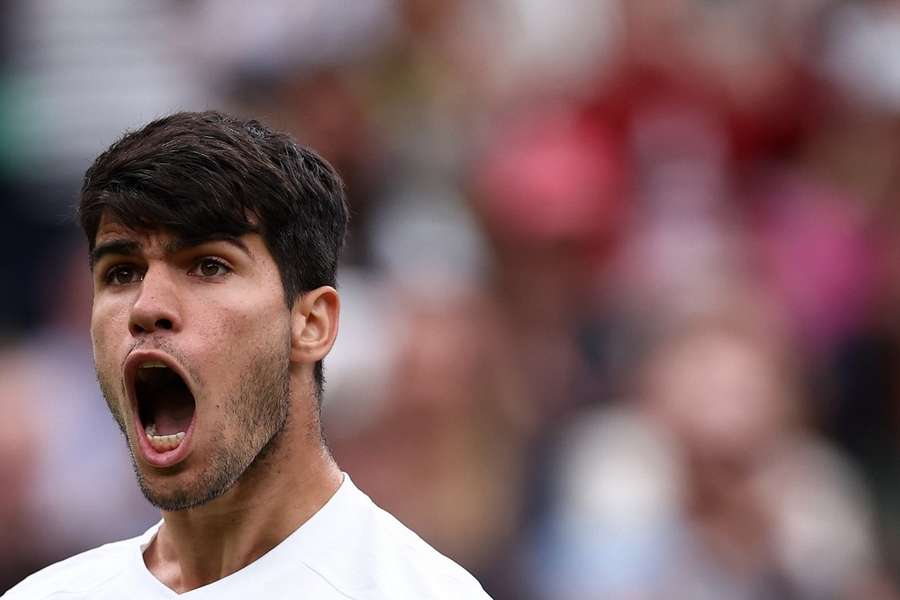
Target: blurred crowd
621	295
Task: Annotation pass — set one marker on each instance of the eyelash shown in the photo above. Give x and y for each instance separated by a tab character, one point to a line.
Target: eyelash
109	276
216	261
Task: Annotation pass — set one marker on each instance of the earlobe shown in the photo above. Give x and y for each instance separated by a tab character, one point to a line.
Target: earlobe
315	317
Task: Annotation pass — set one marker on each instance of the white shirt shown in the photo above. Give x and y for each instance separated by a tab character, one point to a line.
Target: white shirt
350	549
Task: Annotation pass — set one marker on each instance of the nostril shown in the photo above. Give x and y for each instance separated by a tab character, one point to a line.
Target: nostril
164	324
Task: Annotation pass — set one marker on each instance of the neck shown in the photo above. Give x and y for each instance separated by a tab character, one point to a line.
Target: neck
200	545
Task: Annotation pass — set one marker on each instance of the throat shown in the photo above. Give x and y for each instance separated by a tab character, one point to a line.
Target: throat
166	410
171	418
164	401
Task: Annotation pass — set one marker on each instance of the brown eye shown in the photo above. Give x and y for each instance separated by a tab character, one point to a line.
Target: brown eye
210	267
123	275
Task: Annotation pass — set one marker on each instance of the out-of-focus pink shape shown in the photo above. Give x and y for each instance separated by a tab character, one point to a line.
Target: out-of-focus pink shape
551	178
820	259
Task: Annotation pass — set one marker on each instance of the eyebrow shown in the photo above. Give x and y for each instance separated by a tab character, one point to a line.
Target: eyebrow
121	247
129	247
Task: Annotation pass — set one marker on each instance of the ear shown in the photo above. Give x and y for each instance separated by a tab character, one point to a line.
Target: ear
315	317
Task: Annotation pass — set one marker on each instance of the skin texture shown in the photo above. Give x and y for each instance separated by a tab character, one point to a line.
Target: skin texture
255	468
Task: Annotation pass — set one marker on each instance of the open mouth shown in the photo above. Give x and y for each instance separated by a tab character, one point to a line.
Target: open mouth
165	405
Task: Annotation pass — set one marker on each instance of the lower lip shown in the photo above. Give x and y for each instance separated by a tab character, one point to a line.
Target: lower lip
167	458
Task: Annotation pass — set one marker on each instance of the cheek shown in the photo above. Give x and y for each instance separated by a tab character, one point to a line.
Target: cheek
232	341
103	324
236	332
108	371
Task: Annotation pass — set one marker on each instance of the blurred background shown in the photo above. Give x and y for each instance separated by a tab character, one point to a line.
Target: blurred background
621	290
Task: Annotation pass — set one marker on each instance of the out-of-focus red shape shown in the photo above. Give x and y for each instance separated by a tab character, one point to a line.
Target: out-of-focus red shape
551	177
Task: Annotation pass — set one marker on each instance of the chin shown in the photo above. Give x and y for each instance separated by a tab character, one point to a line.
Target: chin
181	489
164	498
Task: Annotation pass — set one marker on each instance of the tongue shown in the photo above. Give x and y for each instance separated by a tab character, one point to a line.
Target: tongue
173	411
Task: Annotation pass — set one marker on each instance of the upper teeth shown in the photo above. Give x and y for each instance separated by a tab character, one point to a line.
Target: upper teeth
154	365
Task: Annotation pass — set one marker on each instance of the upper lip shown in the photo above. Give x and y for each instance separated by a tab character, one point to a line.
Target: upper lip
137	358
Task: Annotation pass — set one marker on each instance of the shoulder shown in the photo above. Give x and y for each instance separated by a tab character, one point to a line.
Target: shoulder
424	571
76	575
379	557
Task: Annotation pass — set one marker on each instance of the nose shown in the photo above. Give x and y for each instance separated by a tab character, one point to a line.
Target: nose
157	306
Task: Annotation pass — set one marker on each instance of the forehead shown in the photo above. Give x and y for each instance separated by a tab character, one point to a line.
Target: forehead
110	227
184	219
113	236
110	231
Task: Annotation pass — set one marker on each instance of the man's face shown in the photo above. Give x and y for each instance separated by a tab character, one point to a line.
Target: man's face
192	347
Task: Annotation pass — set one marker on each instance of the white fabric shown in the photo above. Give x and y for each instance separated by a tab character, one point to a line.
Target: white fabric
350	549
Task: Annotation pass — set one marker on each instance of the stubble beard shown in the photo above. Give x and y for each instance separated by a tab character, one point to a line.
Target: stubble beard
257	414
